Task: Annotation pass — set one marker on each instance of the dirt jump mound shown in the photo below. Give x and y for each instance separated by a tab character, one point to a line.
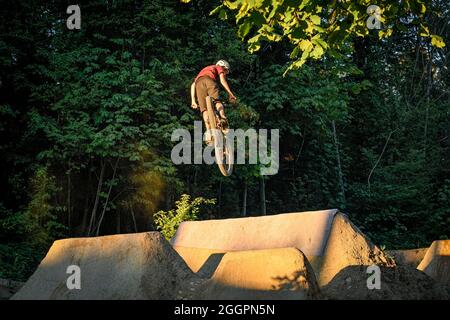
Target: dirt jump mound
309	255
327	238
307	231
396	283
347	246
436	262
129	266
410	257
262	274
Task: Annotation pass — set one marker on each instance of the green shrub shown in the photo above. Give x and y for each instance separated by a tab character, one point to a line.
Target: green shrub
167	222
26	235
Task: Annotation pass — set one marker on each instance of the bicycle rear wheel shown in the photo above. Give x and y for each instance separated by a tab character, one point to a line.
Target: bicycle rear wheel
223	148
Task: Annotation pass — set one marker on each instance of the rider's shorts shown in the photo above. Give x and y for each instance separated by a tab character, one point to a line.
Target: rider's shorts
205	86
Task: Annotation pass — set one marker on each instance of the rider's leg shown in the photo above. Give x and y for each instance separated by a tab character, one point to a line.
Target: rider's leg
205	119
223	120
220	108
207	134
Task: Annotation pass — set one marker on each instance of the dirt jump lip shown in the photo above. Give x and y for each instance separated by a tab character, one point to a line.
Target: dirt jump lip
307	231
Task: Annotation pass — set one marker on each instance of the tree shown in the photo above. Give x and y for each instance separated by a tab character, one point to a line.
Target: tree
314	28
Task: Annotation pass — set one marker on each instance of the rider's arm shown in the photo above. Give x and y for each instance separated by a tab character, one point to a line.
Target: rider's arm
224	83
193	102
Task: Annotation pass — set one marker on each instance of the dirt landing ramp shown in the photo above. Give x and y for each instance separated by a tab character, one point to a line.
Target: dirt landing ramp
347	246
396	283
307	231
411	257
436	262
282	273
129	266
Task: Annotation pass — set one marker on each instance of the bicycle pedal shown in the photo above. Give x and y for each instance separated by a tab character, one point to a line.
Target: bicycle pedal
224	123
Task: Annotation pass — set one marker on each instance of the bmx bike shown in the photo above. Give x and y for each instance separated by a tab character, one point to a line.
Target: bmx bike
223	148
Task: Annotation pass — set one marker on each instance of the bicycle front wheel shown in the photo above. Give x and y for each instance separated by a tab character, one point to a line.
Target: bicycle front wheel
223	149
224	153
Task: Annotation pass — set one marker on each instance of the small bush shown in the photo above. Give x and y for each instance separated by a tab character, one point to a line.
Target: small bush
167	222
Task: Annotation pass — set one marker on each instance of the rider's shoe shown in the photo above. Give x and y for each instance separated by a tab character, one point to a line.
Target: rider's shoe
208	138
224	125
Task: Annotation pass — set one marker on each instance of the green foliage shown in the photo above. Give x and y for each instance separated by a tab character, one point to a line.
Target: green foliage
313	27
30	232
42	211
167	222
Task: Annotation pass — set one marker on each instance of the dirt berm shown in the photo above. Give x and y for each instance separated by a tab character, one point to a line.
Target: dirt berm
128	266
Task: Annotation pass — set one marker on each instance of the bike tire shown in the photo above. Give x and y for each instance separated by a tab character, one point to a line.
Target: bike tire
223	148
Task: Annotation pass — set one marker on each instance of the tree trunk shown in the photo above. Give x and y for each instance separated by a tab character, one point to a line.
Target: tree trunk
194	183
143	60
118	222
219	198
244	200
379	158
338	158
97	196
107	197
262	196
85	214
428	93
168	203
298	156
86	204
69	205
133	217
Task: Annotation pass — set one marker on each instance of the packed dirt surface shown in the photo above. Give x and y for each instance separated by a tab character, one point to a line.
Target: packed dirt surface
327	238
397	283
282	273
436	262
201	261
307	231
8	288
411	257
128	266
347	246
315	255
